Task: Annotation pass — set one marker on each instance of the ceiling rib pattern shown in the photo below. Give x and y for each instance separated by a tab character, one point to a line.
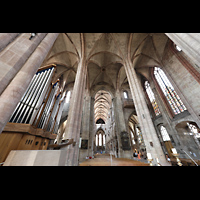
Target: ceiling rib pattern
102	105
105	54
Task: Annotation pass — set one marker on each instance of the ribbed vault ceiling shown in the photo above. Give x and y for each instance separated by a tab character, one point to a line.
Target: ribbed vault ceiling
105	54
102	105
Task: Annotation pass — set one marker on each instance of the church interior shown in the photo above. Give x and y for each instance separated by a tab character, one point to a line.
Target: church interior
99	99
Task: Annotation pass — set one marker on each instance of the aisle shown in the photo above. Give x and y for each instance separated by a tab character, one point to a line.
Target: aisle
105	160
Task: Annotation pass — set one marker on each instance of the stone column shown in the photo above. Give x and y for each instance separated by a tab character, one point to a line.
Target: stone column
91	128
6	38
72	130
121	125
14	56
15	90
86	117
120	111
116	119
148	131
189	43
85	128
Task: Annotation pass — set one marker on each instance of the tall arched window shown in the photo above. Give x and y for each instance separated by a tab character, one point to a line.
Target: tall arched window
100	140
97	140
104	140
125	94
169	92
152	98
164	134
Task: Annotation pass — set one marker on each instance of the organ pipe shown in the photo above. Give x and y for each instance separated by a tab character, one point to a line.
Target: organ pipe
41	104
58	118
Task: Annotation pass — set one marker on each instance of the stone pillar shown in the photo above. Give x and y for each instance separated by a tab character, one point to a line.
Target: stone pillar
116	119
85	128
91	128
86	117
120	111
148	131
121	125
14	56
6	38
15	90
72	130
189	43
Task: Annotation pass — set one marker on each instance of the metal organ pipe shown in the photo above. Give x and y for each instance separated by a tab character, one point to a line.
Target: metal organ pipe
39	97
41	105
23	101
49	109
49	104
54	111
58	118
26	101
32	97
12	119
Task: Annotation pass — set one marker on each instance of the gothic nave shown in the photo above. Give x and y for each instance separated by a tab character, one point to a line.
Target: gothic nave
85	99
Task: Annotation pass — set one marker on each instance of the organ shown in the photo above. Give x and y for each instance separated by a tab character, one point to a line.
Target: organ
35	120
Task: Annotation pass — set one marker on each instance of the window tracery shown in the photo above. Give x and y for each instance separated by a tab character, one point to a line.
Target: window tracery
169	92
152	98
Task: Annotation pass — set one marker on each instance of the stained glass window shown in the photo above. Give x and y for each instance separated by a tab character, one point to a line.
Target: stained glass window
152	98
169	92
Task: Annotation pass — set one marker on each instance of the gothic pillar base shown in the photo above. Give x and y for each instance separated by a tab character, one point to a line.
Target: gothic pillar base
82	154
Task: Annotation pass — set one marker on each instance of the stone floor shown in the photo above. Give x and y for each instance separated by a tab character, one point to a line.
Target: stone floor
105	160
